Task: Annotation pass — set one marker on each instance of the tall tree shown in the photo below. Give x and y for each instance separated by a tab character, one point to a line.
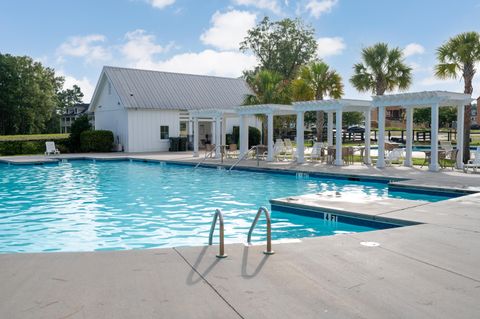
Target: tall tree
27	95
281	46
321	81
66	98
458	56
382	69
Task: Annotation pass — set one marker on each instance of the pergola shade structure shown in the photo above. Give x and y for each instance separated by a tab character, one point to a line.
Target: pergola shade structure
219	117
270	110
428	99
337	106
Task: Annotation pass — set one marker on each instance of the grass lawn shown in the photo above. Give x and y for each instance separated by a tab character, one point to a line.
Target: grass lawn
32	137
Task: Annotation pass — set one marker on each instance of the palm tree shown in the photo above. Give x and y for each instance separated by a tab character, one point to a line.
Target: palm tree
268	87
317	80
458	57
382	69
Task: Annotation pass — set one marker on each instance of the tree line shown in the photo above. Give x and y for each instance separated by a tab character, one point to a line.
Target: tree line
32	97
289	70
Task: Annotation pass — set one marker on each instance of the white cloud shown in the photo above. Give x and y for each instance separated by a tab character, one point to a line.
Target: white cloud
84	83
140	48
319	7
330	46
208	62
228	29
413	49
88	47
160	4
434	81
271	5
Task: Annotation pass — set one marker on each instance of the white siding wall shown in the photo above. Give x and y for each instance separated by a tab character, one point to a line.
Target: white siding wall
144	129
110	115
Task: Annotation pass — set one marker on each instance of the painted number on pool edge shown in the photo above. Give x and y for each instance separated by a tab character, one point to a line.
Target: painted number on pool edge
330	217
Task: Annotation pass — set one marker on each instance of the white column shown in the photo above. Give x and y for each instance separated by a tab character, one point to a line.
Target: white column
218	139
190	130
224	130
381	138
329	128
195	137
213	135
243	134
409	138
338	138
300	137
270	137
368	124
434	138
460	134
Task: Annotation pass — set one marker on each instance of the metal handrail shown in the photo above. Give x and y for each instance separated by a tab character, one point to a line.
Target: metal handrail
219	215
241	158
269	250
207	155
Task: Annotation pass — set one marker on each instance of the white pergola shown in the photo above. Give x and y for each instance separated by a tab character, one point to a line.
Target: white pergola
410	101
270	110
220	120
337	106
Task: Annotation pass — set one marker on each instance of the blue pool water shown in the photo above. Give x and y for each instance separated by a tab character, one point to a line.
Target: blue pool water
86	205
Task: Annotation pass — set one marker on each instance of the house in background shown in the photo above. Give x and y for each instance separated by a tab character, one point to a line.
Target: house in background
144	108
71	114
394	117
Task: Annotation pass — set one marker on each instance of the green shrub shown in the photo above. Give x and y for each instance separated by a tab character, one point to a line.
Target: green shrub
96	141
79	126
254	136
26	147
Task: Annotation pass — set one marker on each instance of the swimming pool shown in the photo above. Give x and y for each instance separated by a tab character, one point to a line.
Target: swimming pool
86	205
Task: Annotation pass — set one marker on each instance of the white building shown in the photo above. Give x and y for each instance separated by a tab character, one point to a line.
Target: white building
144	108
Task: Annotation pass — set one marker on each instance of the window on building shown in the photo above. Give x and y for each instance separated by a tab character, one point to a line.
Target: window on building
164	132
109	88
183	128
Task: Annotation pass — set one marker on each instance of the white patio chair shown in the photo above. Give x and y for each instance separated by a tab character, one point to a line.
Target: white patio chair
278	149
317	152
395	155
289	149
446	146
473	163
50	148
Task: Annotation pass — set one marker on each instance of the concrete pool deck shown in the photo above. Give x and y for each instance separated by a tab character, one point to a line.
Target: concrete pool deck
429	270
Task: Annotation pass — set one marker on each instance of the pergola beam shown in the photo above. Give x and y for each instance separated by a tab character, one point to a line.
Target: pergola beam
409	101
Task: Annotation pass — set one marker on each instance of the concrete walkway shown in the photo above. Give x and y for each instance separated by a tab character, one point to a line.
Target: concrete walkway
429	270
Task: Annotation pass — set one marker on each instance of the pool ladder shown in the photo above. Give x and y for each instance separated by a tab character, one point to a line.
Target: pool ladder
219	216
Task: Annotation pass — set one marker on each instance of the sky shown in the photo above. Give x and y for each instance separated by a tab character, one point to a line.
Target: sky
77	38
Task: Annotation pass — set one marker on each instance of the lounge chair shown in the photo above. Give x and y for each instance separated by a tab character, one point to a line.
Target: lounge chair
317	152
278	149
51	149
289	149
473	163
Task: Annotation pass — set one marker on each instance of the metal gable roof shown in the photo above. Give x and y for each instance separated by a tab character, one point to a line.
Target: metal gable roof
172	91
